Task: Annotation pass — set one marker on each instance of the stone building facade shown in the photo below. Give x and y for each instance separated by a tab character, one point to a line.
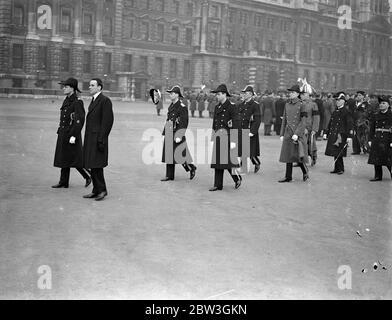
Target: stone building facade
136	44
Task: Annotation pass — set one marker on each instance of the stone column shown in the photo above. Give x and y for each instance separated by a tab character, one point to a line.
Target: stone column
5	43
30	59
55	46
99	45
77	43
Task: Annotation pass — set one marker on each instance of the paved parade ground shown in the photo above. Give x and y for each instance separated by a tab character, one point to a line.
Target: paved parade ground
176	240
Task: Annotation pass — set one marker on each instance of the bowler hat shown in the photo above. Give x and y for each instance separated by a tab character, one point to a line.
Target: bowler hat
152	95
249	89
175	89
340	95
295	88
72	82
222	88
383	99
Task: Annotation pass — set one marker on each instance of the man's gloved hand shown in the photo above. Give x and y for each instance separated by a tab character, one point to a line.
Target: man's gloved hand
313	133
232	145
72	140
294	137
369	143
281	138
251	134
101	146
177	140
390	145
349	140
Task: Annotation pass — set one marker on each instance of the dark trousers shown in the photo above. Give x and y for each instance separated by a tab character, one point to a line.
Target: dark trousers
200	114
171	168
356	144
378	171
193	113
255	161
99	184
289	169
218	178
65	172
267	129
339	164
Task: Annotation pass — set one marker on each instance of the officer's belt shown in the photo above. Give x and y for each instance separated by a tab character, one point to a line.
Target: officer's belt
384	130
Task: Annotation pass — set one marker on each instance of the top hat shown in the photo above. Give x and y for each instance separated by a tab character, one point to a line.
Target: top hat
72	82
249	89
175	89
152	95
295	88
383	99
340	95
221	88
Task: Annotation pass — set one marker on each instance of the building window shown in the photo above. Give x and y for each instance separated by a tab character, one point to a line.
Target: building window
108	27
158	67
243	18
214	71
188	36
88	23
174	35
17	56
18	15
187	69
42	57
270	23
161	5
161	32
143	63
214	11
176	6
66	18
107	63
232	73
283	48
270	46
232	15
257	21
131	29
87	61
320	54
128	62
65	59
173	68
145	30
189	9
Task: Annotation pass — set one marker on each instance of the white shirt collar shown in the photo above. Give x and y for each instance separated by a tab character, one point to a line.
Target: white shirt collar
95	96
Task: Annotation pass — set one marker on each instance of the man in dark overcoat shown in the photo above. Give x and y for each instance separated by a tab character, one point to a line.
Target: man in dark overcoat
225	119
175	149
268	113
193	103
69	153
292	134
360	121
338	133
250	119
380	139
99	122
279	108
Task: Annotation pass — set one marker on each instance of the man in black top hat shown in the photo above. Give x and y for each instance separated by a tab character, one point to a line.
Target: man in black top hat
175	149
69	152
225	119
250	119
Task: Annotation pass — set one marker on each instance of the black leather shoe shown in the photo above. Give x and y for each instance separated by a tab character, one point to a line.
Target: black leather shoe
238	184
60	185
167	179
90	196
101	196
285	180
192	173
306	177
334	172
215	189
257	168
376	179
339	173
88	182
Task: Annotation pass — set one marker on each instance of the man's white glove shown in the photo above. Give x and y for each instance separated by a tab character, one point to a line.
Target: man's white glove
232	145
370	143
325	136
294	137
178	140
281	138
349	140
72	140
313	133
390	145
251	134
